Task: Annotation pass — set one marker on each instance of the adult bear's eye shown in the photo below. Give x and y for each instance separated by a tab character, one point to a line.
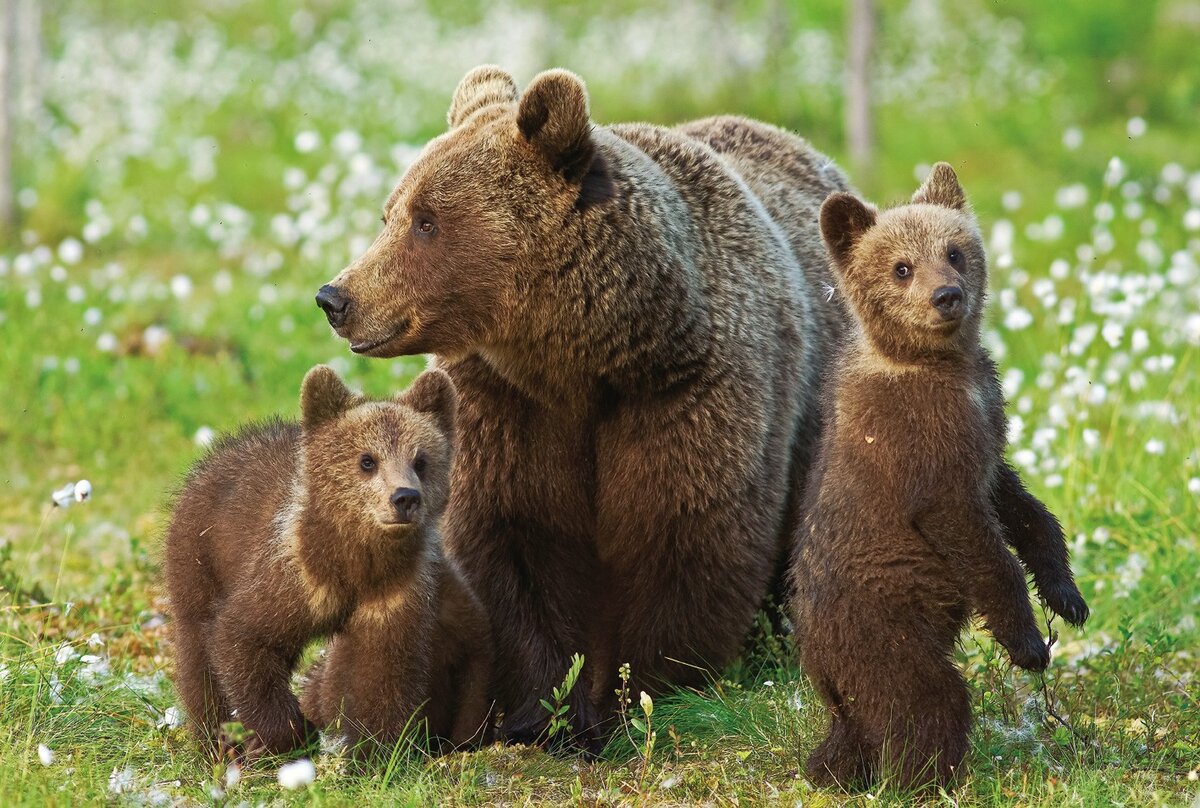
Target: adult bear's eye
366	463
426	227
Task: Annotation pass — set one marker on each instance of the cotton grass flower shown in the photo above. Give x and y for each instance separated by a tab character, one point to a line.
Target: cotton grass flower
204	436
172	718
121	781
297	774
45	755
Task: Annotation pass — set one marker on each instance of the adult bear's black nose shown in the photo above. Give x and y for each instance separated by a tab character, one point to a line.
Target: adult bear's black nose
406	501
948	301
334	304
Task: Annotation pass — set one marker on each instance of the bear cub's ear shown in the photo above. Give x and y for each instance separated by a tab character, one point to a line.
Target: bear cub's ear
553	116
481	87
844	218
433	393
941	188
323	397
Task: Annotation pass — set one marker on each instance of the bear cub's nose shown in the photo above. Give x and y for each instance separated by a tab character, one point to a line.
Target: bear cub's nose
948	301
334	304
406	501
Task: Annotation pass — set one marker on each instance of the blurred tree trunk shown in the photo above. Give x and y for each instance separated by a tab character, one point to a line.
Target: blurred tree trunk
8	104
859	127
29	58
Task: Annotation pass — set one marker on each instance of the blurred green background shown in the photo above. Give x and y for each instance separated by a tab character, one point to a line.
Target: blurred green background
186	174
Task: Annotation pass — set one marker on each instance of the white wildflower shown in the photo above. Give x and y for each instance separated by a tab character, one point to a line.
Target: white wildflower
95	667
83	491
233	776
172	718
1011	200
204	436
45	755
297	774
70	251
1173	174
1194	485
154	338
1072	138
1115	172
307	141
64	497
347	142
1155	446
121	781
1135	126
65	653
181	287
1071	196
106	342
1140	341
1018	319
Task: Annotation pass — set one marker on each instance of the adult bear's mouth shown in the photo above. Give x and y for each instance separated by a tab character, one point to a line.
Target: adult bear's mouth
370	345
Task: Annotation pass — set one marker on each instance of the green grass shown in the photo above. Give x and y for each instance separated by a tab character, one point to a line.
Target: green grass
167	149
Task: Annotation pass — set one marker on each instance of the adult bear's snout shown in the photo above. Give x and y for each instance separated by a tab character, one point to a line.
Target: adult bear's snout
335	305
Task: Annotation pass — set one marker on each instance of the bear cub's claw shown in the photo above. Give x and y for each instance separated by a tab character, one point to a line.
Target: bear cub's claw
1066	601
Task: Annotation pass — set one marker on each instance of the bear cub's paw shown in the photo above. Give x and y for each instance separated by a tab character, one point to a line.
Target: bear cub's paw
1065	600
1028	651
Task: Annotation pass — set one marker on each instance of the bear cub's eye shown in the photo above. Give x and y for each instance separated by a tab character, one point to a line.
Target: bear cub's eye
902	270
419	464
955	256
366	463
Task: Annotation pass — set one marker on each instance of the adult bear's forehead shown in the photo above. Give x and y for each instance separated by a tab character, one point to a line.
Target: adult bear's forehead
454	162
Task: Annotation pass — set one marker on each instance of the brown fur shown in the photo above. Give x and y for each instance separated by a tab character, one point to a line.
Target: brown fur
900	540
280	536
637	342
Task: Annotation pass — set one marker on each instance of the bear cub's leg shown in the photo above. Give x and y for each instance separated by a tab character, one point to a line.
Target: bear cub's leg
1038	539
196	681
255	673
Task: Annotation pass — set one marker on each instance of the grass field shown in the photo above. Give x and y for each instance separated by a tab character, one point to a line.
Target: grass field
189	177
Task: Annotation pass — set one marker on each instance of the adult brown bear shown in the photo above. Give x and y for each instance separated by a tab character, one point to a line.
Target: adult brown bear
635	319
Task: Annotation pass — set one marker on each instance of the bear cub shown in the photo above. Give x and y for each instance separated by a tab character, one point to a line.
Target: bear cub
286	532
900	541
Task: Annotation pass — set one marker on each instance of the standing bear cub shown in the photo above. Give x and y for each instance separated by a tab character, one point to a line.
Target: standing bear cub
901	540
286	532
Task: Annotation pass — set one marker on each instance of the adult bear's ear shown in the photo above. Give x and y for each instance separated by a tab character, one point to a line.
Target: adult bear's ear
323	397
844	218
481	87
553	117
941	188
433	393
